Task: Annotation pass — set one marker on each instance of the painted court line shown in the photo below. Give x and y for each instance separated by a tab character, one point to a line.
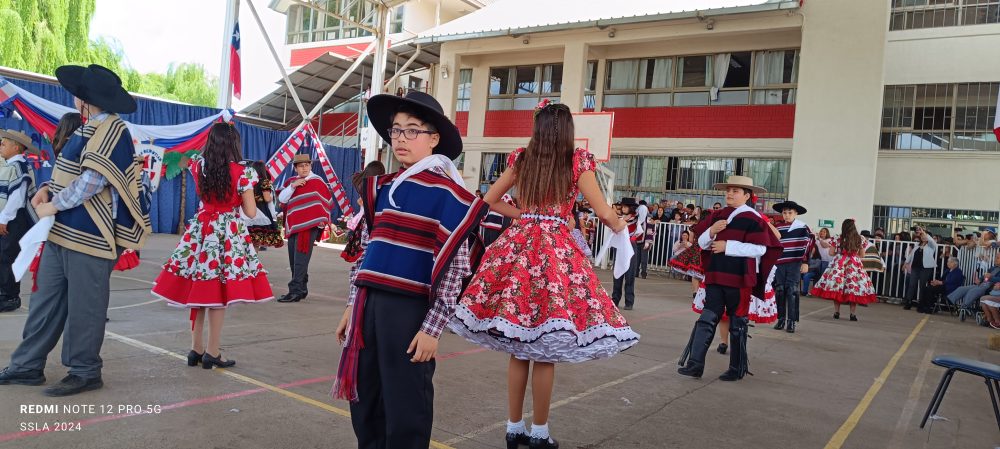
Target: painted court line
560	403
838	438
249	380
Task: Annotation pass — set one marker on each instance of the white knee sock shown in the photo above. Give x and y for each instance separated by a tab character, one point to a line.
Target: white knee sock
540	431
516	427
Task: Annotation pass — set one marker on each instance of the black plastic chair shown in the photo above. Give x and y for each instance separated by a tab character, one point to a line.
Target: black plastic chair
988	371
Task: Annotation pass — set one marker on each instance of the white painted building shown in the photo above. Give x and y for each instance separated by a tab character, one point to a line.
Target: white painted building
876	110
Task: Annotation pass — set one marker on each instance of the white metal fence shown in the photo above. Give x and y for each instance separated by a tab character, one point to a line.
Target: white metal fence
890	285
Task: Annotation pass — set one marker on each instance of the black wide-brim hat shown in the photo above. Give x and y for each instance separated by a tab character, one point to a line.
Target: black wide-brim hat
98	86
629	201
780	207
382	109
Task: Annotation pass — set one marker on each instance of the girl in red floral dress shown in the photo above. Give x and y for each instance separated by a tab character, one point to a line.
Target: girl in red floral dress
846	281
536	296
215	264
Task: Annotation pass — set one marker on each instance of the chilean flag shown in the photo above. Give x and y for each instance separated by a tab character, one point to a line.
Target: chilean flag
234	61
996	122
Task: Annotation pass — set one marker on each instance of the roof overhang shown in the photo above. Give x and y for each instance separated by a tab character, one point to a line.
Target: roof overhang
313	80
485	23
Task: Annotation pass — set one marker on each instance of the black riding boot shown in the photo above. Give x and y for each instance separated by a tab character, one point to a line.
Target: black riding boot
693	360
739	366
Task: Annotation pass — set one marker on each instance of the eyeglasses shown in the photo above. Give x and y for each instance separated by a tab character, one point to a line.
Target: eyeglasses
410	133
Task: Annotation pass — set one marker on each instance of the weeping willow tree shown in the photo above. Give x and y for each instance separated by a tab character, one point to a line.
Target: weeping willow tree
41	35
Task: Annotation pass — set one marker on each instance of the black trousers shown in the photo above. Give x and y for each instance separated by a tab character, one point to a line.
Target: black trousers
395	409
786	289
299	262
9	247
719	298
627	280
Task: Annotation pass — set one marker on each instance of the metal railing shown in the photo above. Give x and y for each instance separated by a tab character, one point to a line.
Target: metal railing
889	285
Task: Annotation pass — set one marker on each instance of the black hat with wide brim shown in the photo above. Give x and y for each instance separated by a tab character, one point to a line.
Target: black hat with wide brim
98	86
780	207
382	109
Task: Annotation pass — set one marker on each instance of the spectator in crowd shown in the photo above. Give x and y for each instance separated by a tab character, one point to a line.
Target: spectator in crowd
677	217
717	206
947	282
991	307
824	251
647	247
920	263
966	296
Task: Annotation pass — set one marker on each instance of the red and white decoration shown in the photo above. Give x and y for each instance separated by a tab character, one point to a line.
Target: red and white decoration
291	147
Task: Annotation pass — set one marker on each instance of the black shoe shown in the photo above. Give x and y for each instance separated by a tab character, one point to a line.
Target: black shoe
907	307
207	361
779	325
194	358
73	384
10	304
730	376
854	317
836	315
722	348
628	308
517	439
547	443
691	370
23	378
291	297
791	327
644	275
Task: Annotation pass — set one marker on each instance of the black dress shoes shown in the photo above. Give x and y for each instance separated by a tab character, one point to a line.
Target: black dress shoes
73	384
517	439
207	361
292	297
7	377
194	358
539	443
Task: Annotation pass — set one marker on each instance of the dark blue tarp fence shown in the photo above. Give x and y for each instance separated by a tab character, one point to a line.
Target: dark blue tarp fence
258	144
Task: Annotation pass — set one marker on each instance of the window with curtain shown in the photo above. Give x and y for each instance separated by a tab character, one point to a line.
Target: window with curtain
917	14
464	90
775	76
771	174
763	77
940	117
523	87
702	173
590	86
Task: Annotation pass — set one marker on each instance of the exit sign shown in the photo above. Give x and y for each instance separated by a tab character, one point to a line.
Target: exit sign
825	223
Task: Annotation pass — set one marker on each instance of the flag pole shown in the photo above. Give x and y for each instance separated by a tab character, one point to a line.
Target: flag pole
225	99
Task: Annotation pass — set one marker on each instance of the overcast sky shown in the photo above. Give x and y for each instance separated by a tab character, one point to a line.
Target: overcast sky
155	33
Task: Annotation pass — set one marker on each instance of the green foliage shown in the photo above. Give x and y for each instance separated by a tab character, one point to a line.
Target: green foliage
12	45
41	35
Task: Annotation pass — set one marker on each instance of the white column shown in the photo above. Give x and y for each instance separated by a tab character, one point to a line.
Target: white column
574	70
378	76
838	109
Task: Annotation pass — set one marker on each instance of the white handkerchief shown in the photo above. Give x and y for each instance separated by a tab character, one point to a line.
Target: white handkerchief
621	243
30	243
258	220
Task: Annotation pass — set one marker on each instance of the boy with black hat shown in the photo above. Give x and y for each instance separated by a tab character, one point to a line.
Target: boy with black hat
99	211
17	186
409	277
796	243
636	235
307	202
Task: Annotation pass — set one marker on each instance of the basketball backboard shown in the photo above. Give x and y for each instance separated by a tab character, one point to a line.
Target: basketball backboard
593	133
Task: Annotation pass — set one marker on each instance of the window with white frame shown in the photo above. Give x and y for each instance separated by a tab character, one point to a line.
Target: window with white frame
762	77
312	24
957	117
523	87
464	99
916	14
590	86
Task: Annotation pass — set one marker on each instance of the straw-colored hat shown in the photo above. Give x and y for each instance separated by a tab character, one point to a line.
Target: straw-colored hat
744	182
20	138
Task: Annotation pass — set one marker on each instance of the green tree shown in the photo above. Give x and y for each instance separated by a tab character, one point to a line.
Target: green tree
41	35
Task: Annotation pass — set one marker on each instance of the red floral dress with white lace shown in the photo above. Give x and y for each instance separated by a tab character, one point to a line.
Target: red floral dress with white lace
846	280
536	295
215	264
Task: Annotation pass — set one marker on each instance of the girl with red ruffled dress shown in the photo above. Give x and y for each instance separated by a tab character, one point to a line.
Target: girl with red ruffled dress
845	281
215	264
536	295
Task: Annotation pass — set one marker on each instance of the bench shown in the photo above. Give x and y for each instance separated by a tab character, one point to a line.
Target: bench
988	371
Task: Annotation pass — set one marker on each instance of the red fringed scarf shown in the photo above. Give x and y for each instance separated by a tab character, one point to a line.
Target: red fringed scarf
308	209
